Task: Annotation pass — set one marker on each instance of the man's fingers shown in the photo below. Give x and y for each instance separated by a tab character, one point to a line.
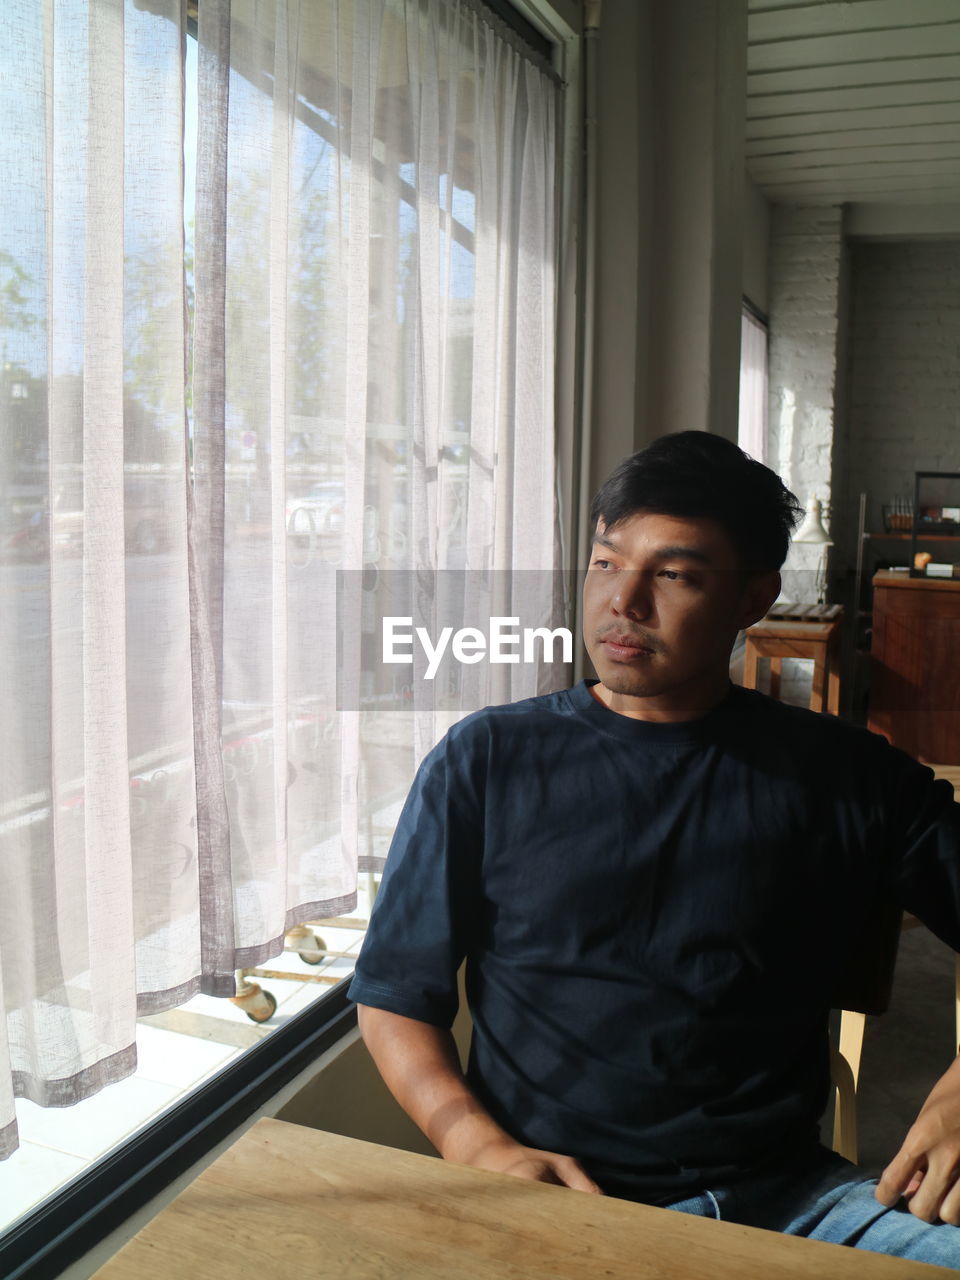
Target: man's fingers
573	1176
538	1166
903	1171
931	1191
938	1192
925	1202
545	1166
950	1209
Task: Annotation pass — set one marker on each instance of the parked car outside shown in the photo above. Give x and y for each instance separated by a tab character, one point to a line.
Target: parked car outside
316	514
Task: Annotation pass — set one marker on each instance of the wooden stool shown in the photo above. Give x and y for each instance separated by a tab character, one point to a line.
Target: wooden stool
777	638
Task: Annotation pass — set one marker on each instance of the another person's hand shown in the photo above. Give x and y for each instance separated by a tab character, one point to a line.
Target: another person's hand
538	1166
926	1169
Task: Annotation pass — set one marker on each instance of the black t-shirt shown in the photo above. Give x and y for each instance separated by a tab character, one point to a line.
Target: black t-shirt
652	916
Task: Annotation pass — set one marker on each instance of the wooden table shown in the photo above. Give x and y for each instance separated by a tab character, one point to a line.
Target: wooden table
952	774
287	1201
776	639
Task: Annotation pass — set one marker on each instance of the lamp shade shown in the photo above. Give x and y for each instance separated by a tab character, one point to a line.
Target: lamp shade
811	527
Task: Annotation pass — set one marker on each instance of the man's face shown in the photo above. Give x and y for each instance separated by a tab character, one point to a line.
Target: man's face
663	600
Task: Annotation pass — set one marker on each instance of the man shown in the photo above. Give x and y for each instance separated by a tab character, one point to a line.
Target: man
652	878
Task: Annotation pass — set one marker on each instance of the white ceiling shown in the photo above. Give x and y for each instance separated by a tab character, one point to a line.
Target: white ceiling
854	101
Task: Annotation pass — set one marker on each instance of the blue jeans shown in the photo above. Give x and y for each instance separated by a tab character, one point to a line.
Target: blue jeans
828	1199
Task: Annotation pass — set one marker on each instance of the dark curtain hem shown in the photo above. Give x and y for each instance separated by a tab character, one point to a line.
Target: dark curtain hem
70	1090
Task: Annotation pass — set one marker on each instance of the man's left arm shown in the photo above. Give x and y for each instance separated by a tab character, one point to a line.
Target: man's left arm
926	1169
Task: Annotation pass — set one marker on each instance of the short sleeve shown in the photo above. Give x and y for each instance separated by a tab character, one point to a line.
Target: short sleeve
428	902
925	863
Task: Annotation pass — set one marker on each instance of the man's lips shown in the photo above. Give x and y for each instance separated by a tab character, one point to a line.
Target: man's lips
626	646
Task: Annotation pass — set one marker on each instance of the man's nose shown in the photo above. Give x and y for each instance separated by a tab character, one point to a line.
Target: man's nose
632	596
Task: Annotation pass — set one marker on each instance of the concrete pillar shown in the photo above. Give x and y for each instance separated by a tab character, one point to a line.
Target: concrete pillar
623	233
700	102
672	90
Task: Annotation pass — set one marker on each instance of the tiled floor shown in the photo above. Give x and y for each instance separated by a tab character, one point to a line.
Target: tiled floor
176	1051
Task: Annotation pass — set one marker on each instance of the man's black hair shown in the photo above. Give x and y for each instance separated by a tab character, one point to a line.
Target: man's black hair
697	474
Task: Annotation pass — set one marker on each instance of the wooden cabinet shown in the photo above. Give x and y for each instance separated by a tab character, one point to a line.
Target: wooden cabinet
915	665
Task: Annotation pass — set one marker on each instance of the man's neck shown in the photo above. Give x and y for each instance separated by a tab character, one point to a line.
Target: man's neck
665	708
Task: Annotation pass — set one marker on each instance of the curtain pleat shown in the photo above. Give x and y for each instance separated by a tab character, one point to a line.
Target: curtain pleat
206	503
107	877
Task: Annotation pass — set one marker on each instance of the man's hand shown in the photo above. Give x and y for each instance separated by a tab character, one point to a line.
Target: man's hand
527	1162
420	1067
926	1169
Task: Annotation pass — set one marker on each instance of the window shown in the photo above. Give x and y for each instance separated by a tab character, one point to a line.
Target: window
366	294
752	431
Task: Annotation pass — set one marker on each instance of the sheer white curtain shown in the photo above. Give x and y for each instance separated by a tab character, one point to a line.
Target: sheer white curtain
371	313
98	861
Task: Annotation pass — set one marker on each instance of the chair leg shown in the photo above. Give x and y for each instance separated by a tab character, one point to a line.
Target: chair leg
833	678
845	1068
845	1107
818	685
852	1026
749	665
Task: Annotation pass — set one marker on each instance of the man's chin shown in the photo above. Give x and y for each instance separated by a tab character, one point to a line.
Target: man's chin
628	684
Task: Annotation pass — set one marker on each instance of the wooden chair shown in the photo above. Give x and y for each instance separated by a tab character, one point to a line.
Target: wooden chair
864	987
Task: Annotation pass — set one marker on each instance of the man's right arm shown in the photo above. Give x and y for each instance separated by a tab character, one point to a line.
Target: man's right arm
420	1067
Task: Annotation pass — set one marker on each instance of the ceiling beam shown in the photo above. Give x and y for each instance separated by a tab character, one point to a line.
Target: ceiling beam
945	66
804	20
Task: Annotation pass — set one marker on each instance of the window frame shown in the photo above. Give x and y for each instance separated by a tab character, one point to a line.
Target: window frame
76	1218
751	314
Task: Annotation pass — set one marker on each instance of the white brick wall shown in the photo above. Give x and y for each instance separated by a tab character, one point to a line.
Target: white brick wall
904	397
806	250
902	401
805	255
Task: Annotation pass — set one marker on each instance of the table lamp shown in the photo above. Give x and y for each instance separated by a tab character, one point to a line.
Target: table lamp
811	531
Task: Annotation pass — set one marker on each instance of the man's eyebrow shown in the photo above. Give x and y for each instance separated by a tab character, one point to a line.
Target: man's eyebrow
604	541
675	552
678	552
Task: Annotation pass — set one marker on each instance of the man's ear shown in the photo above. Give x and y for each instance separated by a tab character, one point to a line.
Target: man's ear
760	592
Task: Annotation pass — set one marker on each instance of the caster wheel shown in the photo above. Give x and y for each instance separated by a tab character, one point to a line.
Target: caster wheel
315	952
266	1008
